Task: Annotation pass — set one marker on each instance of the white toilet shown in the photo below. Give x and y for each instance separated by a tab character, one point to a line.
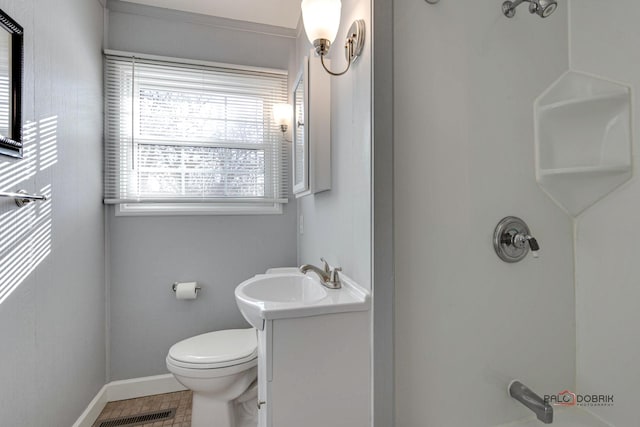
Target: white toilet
219	367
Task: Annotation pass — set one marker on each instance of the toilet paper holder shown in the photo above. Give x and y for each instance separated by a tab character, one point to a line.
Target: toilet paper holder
175	285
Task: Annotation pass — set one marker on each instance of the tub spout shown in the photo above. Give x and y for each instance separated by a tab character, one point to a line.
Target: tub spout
528	398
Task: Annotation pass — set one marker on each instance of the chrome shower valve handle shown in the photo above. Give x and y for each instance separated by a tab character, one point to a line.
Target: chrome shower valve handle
533	246
512	240
522	241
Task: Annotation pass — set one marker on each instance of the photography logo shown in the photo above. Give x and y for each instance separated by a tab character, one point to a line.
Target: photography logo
566	398
569	398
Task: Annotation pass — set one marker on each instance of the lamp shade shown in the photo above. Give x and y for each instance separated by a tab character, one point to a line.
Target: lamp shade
321	19
282	114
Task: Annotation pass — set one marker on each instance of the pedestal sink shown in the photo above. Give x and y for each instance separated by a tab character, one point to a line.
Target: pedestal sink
287	294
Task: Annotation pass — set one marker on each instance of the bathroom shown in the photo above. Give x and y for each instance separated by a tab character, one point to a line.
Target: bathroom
452	117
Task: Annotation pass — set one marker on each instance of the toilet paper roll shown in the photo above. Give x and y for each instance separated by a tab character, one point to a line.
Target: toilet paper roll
186	290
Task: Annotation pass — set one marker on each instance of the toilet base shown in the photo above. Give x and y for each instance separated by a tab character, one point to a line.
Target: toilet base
207	412
246	407
214	395
239	413
247	413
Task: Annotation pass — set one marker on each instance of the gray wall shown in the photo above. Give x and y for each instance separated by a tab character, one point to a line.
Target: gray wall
465	81
52	356
337	223
149	253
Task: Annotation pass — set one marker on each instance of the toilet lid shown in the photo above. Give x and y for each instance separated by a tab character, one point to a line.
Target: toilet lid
216	349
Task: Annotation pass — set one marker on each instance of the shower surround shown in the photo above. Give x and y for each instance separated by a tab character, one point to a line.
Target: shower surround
464	137
466	78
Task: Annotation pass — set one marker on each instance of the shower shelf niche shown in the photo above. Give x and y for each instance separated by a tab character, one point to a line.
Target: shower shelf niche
583	140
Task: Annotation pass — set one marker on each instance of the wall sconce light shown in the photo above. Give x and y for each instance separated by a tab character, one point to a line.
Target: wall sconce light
321	20
282	115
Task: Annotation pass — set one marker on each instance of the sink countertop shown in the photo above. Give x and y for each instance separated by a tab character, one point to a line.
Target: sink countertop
351	297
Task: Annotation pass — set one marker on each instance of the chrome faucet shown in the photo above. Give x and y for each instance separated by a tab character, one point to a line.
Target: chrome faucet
328	276
528	398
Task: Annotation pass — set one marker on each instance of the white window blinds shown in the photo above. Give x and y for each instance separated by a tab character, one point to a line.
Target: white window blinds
189	133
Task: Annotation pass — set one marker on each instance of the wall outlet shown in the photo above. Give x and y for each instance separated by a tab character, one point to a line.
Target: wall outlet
301	225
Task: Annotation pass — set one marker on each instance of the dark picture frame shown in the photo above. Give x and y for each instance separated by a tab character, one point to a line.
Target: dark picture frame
12	144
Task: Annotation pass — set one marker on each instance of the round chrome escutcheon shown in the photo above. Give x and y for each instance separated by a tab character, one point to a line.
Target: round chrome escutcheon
503	236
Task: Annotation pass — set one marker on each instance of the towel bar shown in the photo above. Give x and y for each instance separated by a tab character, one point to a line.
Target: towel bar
22	197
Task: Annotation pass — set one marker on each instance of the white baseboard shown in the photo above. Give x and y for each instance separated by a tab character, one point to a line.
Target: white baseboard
90	415
145	386
127	389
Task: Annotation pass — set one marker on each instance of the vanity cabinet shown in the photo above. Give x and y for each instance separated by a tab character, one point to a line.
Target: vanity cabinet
314	344
315	371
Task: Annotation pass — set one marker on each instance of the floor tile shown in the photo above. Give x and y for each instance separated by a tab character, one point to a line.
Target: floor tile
180	400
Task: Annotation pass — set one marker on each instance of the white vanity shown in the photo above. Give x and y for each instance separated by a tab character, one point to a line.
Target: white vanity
313	349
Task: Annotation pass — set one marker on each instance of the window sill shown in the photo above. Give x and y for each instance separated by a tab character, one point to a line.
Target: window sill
175	209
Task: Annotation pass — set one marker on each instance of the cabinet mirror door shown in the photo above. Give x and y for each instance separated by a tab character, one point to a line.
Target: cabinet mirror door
300	136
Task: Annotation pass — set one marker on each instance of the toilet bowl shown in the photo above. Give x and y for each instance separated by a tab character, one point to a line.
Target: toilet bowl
218	367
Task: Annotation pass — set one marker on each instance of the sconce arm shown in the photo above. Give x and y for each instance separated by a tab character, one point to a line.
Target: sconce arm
353	46
348	47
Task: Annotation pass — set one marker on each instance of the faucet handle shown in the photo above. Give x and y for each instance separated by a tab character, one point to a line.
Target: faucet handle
333	274
534	246
327	268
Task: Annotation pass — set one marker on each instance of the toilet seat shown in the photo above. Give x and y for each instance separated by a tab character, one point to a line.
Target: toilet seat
208	373
216	350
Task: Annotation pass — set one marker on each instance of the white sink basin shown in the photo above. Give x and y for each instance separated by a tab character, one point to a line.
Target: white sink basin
286	293
284	289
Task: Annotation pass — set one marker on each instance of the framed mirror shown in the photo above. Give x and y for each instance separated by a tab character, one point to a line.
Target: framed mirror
11	79
300	140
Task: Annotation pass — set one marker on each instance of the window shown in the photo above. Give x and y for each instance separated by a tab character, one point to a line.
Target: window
192	137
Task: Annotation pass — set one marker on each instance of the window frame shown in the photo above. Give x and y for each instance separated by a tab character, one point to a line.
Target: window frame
175	208
178	209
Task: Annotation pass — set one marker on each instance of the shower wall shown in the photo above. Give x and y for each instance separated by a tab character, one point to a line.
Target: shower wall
604	41
467	323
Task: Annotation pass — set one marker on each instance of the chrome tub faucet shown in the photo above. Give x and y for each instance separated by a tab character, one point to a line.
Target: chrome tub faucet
528	398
